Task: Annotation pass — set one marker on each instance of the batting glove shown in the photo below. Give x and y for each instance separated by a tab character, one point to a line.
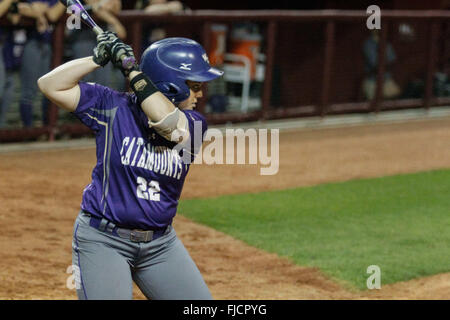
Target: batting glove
102	51
121	52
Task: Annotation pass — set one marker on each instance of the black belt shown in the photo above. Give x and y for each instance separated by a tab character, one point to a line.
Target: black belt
134	235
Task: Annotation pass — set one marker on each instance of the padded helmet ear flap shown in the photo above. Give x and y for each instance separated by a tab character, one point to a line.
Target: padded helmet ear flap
173	92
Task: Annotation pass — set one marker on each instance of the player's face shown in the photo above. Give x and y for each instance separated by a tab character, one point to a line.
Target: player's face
195	94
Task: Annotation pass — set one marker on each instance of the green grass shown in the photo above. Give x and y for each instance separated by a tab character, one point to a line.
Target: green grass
400	223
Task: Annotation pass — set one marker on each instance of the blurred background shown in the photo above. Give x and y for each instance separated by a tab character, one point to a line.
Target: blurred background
283	60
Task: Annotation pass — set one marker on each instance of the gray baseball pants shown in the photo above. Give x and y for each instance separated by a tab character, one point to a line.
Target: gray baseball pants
105	266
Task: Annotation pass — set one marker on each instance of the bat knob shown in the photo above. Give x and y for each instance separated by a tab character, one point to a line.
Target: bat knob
128	62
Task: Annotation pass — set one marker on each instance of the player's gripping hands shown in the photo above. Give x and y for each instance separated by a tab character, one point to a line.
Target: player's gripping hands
111	48
102	51
167	120
119	53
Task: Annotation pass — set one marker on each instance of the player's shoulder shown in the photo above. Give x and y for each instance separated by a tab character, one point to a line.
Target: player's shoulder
93	86
107	94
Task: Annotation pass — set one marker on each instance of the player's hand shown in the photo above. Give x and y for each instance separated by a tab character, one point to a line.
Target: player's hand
102	51
41	24
39	7
120	52
119	29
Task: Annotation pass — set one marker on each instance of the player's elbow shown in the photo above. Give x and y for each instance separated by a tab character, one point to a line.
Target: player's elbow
47	88
40	84
43	85
173	127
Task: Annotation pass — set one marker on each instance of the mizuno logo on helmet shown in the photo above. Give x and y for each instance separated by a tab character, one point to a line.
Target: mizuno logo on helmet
205	57
186	66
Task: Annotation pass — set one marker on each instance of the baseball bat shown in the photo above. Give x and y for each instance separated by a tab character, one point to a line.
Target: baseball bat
127	62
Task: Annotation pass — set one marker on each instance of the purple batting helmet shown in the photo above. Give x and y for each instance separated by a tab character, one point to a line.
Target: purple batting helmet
171	61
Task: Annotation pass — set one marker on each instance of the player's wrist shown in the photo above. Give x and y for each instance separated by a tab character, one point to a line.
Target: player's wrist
121	56
96	65
101	56
133	74
127	71
142	86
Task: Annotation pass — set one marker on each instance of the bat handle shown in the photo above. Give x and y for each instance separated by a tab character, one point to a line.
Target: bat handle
97	30
127	62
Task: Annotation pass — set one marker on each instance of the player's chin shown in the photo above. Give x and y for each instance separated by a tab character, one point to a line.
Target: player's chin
191	107
183	106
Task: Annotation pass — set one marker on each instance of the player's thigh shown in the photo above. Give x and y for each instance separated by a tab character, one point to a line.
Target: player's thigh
173	275
101	272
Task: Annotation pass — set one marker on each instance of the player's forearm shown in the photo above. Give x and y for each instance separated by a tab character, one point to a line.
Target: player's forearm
4	6
164	8
156	106
107	17
55	12
113	6
61	85
116	6
112	20
27	10
68	75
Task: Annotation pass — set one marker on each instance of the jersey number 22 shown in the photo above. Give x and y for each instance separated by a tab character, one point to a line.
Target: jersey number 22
148	191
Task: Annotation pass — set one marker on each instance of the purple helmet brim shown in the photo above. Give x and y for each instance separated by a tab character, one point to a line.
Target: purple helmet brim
208	75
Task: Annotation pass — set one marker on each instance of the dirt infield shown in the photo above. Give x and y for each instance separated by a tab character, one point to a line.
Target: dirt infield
40	194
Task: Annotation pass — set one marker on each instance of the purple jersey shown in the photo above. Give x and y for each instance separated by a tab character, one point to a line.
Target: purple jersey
139	177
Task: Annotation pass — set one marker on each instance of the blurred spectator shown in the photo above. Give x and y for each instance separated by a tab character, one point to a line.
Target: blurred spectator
5	6
37	52
9	54
12	56
82	42
161	6
370	50
158	7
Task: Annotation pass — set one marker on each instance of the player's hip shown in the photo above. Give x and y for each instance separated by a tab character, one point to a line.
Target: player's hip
102	231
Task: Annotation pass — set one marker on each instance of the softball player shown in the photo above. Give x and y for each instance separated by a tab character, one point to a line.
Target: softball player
123	232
